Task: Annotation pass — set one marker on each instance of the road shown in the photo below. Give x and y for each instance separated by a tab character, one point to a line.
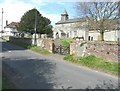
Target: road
29	70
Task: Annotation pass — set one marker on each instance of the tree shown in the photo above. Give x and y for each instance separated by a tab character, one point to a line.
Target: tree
100	15
27	23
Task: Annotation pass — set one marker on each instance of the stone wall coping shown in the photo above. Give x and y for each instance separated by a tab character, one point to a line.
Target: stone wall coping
98	42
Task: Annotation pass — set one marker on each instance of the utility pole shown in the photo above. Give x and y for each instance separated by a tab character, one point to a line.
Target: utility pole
2	23
35	41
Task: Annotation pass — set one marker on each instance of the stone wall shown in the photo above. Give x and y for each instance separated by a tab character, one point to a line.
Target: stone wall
108	50
48	44
76	48
21	40
45	43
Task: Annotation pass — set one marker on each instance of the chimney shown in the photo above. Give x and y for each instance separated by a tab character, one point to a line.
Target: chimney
6	22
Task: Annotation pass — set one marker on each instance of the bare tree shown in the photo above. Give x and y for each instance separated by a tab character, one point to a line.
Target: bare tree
101	15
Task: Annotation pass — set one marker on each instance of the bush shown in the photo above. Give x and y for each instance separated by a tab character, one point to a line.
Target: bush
65	42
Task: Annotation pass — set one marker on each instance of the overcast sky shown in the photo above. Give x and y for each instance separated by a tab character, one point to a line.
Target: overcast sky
15	9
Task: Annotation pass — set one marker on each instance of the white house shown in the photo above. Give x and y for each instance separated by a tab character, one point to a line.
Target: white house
71	28
10	29
111	30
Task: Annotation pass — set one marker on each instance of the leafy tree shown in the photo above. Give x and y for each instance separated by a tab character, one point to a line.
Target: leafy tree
32	18
100	15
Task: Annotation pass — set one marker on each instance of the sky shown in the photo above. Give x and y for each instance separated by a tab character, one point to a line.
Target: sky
52	9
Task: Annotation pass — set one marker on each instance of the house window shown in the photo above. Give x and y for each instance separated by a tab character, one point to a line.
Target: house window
63	34
57	35
75	32
67	35
89	38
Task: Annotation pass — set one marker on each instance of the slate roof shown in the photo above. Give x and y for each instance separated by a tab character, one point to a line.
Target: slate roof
12	25
71	21
108	24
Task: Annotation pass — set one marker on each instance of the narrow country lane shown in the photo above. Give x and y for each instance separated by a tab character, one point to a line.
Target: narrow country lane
29	70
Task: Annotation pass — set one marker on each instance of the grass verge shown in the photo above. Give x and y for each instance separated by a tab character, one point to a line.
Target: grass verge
32	47
39	50
96	63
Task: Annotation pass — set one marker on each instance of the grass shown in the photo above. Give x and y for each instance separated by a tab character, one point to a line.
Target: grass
65	42
94	62
33	48
39	50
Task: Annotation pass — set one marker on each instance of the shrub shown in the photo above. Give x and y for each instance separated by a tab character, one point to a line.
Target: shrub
65	42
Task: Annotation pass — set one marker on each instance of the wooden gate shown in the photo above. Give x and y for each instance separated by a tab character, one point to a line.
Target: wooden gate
59	49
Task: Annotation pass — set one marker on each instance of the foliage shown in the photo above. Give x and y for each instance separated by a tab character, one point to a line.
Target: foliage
71	58
65	42
99	14
32	47
95	63
32	18
39	50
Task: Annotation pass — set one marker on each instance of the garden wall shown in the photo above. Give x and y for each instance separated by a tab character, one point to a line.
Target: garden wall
48	44
45	43
21	40
108	50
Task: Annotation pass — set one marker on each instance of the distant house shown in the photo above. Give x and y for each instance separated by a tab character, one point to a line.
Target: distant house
78	27
70	28
110	27
10	29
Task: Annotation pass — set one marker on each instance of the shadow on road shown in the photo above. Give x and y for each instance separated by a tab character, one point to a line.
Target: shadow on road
10	47
40	74
29	74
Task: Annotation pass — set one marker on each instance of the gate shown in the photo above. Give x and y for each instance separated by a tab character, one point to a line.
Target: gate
59	49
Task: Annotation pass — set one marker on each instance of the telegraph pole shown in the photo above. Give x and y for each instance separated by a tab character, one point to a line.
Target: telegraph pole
2	23
2	20
35	41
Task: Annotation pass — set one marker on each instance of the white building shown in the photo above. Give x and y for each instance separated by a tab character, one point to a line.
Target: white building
10	29
71	28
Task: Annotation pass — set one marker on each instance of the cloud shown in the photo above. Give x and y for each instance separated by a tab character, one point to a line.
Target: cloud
15	9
